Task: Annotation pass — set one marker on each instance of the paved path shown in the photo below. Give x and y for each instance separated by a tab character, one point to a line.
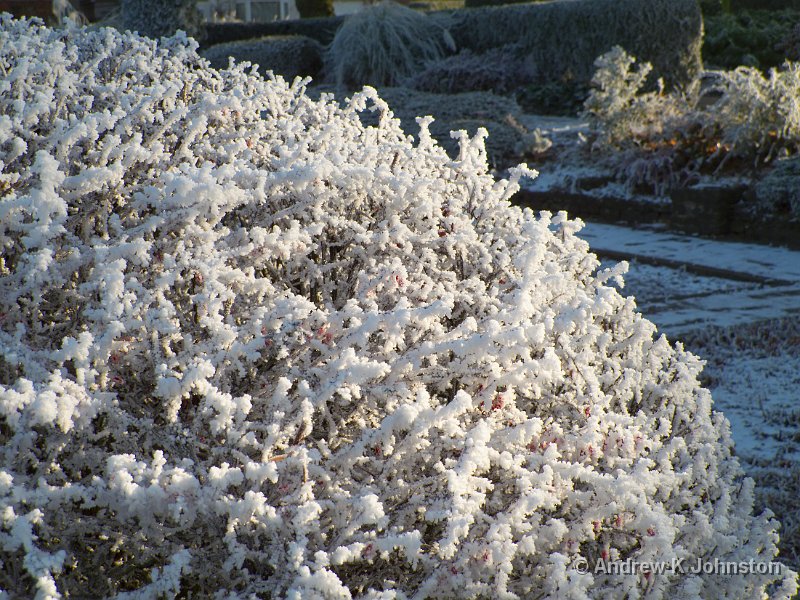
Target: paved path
703	273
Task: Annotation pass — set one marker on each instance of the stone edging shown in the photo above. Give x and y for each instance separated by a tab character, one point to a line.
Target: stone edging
716	212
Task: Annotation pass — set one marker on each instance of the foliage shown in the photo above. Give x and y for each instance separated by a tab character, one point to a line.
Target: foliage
504	70
384	44
474	3
287	55
749	38
790	45
616	108
156	18
773	5
757	115
563	98
713	7
738	119
253	348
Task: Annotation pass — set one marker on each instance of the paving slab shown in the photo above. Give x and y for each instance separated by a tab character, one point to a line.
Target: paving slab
725	309
672	249
731	283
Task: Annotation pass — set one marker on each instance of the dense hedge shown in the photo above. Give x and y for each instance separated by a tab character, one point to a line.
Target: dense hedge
287	55
321	29
563	39
560	40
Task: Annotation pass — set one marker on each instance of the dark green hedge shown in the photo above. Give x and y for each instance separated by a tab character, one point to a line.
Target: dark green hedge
321	29
564	38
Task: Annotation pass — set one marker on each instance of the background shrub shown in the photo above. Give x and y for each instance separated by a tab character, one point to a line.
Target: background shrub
475	3
737	120
790	45
775	5
508	140
500	70
505	70
314	8
559	98
321	29
778	191
617	107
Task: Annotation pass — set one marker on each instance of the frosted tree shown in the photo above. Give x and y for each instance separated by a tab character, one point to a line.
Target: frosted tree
251	347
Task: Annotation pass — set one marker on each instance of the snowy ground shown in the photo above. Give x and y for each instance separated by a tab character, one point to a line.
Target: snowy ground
738	307
759	397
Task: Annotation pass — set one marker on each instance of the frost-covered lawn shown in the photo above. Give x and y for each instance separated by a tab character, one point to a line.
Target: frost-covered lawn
759	396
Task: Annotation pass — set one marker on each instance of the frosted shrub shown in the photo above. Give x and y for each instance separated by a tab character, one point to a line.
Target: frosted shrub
631	128
760	114
252	348
778	191
617	108
736	119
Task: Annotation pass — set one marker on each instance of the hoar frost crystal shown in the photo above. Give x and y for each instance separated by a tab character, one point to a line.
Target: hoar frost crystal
251	348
